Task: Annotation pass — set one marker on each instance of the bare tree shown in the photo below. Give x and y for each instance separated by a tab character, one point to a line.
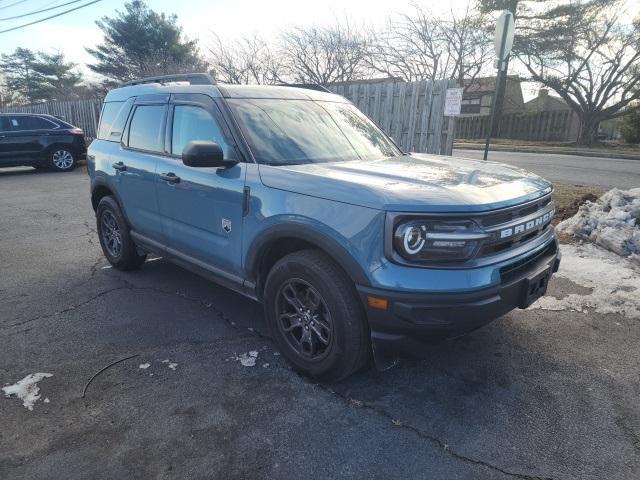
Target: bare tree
324	54
468	46
588	55
247	60
422	46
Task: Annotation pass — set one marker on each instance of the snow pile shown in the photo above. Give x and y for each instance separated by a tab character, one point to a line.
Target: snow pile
614	282
144	366
27	389
171	364
613	222
248	359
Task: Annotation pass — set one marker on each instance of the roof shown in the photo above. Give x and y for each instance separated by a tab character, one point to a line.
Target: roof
226	91
546	103
486	84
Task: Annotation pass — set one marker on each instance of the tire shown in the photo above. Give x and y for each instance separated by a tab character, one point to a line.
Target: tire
339	343
115	239
61	159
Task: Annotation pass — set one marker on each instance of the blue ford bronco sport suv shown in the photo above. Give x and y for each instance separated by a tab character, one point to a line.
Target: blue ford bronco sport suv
292	197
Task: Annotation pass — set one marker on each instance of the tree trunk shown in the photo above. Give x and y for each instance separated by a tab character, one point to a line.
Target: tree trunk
588	129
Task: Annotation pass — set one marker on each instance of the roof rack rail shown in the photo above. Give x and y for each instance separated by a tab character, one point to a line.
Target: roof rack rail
192	78
308	86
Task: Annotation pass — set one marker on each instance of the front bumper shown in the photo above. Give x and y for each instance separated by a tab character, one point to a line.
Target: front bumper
413	319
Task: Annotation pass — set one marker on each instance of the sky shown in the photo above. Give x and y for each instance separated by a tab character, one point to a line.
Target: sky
73	32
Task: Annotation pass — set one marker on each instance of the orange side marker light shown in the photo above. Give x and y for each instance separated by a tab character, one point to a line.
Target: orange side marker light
375	302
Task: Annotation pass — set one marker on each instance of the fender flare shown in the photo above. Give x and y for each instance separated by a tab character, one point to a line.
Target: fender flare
310	235
100	181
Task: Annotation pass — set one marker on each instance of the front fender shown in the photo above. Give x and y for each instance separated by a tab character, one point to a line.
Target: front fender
317	235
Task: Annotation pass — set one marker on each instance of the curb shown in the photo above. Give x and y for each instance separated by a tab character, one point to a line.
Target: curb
547	150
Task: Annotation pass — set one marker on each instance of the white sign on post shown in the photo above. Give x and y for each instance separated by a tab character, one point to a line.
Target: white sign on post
453	102
503	36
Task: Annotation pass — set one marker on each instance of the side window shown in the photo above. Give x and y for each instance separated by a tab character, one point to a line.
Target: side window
109	113
4	124
195	123
16	123
38	123
145	131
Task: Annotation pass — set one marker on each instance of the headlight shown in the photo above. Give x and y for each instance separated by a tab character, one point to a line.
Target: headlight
433	240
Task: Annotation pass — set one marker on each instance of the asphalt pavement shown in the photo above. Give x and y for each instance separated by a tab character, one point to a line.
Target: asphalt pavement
572	169
536	394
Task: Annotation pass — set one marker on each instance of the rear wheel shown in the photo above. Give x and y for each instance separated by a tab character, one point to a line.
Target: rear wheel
61	159
315	316
115	239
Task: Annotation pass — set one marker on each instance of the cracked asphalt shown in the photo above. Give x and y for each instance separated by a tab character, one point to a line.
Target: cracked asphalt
536	394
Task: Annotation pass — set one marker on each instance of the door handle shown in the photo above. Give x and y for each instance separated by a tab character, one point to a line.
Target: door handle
119	166
170	177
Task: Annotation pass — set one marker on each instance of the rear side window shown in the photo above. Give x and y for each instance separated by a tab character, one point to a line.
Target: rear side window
25	122
109	114
39	123
146	132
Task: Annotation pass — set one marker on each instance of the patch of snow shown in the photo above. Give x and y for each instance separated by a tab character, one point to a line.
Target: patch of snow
265	365
144	366
165	361
276	354
613	222
248	359
614	282
27	389
46	400
173	366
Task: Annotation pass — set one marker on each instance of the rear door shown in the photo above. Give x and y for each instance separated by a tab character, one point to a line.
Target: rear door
201	208
23	140
134	164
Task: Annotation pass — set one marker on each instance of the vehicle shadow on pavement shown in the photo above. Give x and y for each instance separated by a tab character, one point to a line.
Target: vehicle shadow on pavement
496	395
20	171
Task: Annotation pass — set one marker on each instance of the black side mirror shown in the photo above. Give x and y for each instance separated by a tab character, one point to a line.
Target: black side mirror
204	153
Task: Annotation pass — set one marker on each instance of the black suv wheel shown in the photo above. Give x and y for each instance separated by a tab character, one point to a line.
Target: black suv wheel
315	316
61	159
115	239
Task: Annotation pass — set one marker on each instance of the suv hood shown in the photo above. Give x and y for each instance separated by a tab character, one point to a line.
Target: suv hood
411	183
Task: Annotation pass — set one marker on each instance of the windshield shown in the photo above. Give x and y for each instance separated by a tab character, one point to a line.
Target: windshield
286	132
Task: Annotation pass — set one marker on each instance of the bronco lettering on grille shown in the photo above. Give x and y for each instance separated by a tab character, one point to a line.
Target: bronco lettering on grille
526	226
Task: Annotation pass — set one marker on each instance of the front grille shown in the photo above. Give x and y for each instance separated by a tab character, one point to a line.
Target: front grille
516	226
514	213
498	247
515	269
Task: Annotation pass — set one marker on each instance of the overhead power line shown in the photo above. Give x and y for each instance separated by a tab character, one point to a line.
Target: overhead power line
12	4
35	12
50	17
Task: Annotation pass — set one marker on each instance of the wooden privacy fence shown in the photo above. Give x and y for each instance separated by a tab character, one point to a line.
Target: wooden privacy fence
412	113
542	126
81	113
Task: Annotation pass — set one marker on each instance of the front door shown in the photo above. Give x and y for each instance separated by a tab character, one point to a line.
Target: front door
20	140
201	208
5	149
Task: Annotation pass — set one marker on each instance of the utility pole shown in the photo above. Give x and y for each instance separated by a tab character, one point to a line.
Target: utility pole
502	42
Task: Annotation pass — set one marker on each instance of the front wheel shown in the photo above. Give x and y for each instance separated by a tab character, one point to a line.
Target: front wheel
115	240
315	317
61	159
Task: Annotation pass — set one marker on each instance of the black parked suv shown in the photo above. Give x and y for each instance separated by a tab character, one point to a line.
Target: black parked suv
40	141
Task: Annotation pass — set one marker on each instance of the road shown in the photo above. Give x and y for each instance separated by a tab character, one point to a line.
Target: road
573	169
536	394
